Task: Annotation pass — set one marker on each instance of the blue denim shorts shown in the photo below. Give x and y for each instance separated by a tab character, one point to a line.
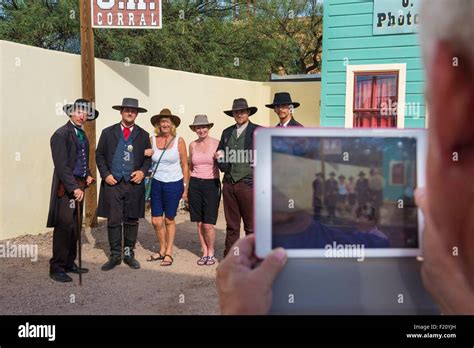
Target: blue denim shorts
165	197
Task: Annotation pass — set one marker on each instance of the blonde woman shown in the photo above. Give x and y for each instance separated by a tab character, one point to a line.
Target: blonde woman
169	183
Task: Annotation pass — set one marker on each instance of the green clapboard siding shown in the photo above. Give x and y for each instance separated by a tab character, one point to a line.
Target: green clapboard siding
348	40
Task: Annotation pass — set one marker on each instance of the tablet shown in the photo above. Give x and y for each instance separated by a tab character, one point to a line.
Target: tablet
339	193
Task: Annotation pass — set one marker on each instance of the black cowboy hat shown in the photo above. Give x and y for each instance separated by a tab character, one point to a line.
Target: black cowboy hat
282	98
165	113
361	173
129	103
332	174
82	104
240	104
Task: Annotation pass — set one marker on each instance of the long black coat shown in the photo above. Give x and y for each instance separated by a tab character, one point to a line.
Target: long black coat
104	155
226	133
64	151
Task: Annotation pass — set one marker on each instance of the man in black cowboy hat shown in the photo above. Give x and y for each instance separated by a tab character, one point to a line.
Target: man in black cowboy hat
330	195
122	164
318	195
70	151
362	189
235	157
283	107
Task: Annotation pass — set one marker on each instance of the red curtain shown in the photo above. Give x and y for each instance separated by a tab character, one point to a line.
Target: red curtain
385	99
375	101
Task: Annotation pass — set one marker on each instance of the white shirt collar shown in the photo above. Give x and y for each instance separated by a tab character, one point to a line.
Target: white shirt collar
76	127
286	123
242	126
122	127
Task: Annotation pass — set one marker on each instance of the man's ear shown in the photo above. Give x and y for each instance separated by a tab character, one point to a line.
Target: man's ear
451	99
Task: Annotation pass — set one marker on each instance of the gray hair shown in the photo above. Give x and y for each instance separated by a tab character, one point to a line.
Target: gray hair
451	21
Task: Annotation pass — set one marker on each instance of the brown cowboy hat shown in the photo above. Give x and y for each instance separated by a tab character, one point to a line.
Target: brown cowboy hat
165	113
241	104
201	120
129	103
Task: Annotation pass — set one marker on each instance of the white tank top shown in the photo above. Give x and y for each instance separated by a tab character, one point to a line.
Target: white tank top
169	169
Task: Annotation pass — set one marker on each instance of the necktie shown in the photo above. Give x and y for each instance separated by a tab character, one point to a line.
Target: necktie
126	133
80	134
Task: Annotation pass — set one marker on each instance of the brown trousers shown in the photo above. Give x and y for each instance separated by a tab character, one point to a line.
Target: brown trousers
238	204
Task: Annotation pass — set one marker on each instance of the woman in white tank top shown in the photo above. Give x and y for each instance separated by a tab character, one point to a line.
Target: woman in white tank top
169	183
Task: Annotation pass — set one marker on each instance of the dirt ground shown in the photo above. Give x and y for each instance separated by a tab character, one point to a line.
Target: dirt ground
183	288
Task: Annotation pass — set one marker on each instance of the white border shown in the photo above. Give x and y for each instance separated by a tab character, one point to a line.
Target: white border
402	78
263	186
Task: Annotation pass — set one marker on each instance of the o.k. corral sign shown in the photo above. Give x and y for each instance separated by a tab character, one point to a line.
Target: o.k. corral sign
126	14
396	17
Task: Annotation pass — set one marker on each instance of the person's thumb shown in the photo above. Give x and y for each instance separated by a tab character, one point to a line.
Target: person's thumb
271	266
420	198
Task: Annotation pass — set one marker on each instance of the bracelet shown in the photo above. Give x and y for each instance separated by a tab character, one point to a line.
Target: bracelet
185	184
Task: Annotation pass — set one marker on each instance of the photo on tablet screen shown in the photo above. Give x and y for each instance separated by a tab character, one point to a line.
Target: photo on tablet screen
344	191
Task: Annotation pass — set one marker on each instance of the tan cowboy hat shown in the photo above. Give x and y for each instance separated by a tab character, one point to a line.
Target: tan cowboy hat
165	113
201	120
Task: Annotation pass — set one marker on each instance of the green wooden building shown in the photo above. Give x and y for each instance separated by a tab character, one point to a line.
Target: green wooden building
372	72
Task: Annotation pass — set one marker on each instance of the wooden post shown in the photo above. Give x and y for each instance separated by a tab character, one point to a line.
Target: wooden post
88	92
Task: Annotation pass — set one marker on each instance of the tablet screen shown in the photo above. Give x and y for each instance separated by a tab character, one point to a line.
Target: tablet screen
344	191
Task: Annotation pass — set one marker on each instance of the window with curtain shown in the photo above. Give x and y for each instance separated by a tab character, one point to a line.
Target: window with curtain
375	99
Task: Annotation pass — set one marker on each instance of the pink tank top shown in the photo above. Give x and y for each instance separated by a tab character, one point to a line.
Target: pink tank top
203	164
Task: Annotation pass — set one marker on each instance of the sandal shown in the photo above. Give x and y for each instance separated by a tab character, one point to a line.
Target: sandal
211	260
202	261
152	258
167	263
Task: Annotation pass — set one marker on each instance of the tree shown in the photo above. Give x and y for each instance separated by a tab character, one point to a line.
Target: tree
295	29
244	39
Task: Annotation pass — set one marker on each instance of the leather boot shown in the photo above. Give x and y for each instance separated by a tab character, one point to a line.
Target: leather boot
130	233
115	241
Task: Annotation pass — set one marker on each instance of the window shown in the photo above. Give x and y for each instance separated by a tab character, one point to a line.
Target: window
375	99
375	95
397	173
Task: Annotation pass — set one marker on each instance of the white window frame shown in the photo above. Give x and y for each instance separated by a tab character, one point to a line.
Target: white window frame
402	78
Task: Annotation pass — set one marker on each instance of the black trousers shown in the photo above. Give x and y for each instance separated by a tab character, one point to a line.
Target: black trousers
118	197
65	234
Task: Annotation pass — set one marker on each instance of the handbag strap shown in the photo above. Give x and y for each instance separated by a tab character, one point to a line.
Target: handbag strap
159	159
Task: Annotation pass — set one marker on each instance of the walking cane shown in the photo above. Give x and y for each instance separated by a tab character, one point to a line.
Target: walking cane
79	229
